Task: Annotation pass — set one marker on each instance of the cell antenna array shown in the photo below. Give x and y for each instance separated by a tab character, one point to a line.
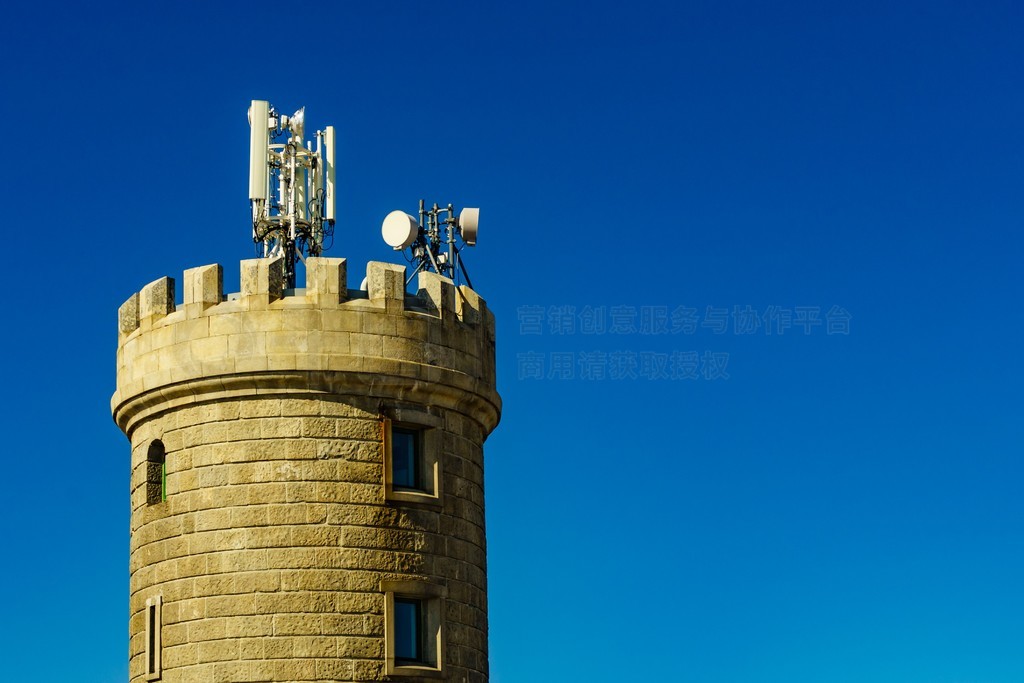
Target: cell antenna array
291	185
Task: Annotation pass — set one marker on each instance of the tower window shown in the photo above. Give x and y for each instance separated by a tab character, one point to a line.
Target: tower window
409	631
156	473
406	454
414	643
412	457
154	662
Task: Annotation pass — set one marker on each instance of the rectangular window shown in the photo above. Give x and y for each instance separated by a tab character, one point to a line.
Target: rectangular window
412	457
408	631
154	607
156	473
414	636
406	468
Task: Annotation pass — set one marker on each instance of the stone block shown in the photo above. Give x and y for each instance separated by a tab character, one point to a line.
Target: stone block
385	282
361	648
366	345
230	672
218	650
226	324
344	624
333	670
367	670
206	629
128	315
437	293
278	647
259	626
295	670
469	306
317	646
181	655
204	285
252	648
156	299
297	624
326	280
263	277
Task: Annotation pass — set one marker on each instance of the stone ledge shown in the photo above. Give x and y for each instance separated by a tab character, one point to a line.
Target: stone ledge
440	387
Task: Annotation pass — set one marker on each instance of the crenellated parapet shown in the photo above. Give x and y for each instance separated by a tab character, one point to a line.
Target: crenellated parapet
434	347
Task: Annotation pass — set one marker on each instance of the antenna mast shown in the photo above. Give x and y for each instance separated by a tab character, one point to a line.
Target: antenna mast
437	226
291	186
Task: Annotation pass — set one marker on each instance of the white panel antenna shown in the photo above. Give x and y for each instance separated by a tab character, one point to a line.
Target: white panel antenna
258	141
328	138
436	227
291	185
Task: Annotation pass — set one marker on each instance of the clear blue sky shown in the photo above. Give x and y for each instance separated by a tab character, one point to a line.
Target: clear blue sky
841	508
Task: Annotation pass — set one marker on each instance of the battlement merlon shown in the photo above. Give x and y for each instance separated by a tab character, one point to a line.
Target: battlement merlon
262	283
443	336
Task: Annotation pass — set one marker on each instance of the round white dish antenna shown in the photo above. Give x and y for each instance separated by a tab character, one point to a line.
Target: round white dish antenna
362	285
469	222
399	229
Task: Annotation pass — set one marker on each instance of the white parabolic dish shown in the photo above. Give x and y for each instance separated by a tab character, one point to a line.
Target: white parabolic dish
399	229
469	222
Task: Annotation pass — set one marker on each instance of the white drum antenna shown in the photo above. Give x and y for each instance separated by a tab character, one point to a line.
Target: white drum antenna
291	186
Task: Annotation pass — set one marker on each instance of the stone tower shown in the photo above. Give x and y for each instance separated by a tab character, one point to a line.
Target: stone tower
307	476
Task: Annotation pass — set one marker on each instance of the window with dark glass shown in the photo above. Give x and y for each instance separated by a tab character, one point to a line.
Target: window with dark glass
408	631
412	458
154	643
156	473
406	465
151	645
413	633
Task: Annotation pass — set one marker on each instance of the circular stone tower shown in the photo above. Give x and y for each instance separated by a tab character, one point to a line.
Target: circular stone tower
307	476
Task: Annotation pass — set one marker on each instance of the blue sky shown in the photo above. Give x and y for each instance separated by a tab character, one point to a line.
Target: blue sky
842	507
